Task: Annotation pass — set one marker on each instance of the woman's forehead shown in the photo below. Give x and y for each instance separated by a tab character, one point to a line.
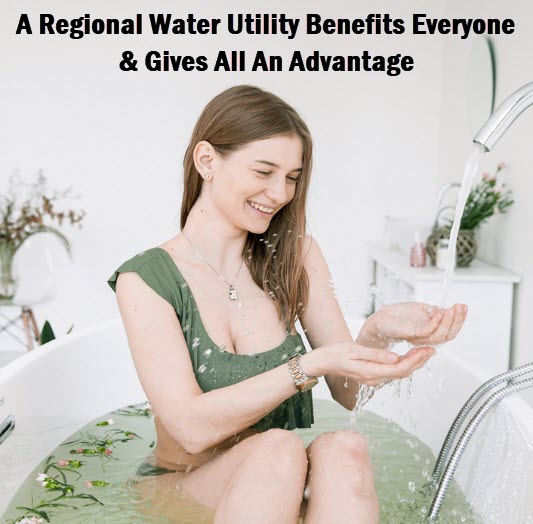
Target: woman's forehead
277	150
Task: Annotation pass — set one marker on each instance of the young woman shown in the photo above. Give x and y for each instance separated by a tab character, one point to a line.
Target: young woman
210	317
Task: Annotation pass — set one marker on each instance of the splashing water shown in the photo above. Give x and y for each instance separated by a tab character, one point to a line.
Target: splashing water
470	170
365	392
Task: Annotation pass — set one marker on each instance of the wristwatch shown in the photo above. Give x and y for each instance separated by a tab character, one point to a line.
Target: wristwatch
301	380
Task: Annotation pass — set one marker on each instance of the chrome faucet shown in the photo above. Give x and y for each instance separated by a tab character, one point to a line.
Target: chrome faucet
504	116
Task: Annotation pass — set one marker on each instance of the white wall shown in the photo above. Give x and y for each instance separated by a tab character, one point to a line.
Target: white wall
119	137
506	240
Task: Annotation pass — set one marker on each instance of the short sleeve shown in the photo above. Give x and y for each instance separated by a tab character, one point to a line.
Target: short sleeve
154	270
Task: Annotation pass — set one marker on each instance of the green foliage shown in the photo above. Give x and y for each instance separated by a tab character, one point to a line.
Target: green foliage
485	200
47	333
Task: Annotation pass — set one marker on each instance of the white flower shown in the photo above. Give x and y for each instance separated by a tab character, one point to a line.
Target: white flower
41	477
30	520
110	421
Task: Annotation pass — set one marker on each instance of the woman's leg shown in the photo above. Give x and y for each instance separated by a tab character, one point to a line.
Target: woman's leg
268	486
260	479
340	484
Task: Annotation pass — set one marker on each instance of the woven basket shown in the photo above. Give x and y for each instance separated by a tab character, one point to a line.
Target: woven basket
466	245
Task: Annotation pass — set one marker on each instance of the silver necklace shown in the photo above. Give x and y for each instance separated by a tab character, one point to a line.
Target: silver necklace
232	290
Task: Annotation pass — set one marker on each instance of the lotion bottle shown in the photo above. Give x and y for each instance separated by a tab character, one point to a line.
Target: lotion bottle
418	252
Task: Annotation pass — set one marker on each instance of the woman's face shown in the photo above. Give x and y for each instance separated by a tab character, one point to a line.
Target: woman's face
252	184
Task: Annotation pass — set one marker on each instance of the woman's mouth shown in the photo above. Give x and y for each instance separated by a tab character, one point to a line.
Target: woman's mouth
261	210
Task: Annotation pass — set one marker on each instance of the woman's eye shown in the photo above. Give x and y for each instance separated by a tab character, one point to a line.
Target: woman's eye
293	179
263	172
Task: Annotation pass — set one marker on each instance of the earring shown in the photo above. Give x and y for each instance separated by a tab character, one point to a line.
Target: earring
207	176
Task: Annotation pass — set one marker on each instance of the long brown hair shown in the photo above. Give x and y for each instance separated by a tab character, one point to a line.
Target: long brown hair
234	118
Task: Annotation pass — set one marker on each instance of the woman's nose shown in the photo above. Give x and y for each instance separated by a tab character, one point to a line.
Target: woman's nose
277	191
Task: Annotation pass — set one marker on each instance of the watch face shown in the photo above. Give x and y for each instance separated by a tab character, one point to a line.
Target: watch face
308	384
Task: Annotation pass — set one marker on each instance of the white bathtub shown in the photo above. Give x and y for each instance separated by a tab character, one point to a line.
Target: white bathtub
54	390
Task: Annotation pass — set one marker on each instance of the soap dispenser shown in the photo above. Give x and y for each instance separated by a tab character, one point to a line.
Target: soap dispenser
418	252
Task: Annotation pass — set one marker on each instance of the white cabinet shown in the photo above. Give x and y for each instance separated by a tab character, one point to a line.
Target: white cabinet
485	340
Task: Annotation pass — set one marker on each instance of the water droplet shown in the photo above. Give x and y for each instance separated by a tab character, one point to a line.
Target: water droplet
284	356
208	352
412	487
195	342
202	368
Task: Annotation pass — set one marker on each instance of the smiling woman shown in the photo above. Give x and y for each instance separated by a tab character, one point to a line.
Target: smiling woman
228	385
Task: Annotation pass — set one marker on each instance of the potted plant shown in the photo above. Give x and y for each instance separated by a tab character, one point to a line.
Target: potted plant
26	210
487	198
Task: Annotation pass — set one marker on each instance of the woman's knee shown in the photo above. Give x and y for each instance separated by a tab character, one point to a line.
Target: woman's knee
281	448
344	445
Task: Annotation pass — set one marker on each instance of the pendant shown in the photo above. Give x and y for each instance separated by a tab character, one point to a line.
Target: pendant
232	293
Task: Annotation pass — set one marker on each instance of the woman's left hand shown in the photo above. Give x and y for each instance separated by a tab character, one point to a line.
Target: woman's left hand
418	323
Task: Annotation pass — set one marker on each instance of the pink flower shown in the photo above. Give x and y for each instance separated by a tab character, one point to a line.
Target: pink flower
497	190
502	165
30	520
63	463
80	450
88	483
488	177
108	451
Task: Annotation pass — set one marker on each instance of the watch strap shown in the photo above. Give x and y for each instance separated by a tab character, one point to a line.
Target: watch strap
296	372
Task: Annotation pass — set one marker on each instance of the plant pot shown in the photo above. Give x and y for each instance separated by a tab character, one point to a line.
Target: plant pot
466	248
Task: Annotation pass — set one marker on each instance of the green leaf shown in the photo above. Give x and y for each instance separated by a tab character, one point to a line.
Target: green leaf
47	333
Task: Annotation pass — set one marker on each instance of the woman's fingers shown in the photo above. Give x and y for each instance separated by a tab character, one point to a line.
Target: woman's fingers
403	368
458	321
375	355
426	329
440	334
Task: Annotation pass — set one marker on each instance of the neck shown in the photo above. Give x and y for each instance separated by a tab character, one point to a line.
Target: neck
215	240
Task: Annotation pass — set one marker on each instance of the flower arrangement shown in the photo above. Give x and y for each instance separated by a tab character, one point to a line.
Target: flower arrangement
24	211
487	198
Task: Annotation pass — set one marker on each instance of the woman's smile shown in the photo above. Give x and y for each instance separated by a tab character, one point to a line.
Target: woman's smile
261	210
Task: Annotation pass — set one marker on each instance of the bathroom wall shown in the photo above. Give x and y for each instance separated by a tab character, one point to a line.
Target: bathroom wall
119	138
505	241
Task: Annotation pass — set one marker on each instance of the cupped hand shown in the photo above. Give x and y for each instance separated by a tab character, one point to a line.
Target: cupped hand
369	365
418	323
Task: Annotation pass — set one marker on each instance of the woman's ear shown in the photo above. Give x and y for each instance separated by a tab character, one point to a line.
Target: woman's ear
203	156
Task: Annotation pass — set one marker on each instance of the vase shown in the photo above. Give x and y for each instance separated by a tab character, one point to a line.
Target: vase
8	283
466	247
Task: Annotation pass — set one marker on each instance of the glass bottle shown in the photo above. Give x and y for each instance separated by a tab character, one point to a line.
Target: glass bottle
418	252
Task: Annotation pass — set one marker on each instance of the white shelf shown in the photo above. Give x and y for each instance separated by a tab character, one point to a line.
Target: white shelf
485	339
398	262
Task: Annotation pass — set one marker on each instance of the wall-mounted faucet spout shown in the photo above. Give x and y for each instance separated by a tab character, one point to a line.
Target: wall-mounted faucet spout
504	116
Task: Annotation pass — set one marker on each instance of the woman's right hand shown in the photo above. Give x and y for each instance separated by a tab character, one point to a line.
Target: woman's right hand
366	365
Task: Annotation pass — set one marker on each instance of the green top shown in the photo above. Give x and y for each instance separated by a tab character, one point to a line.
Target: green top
214	367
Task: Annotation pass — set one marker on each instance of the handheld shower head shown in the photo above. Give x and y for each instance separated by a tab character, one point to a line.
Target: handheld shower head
504	116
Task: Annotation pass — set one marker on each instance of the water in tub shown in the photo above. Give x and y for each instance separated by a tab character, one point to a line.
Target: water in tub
94	471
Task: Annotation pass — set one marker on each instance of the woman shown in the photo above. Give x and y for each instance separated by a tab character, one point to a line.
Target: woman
210	318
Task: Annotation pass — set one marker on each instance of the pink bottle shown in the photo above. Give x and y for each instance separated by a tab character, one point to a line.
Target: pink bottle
418	252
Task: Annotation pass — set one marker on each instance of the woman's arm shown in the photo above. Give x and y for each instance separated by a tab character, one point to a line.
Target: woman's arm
323	321
199	420
195	419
